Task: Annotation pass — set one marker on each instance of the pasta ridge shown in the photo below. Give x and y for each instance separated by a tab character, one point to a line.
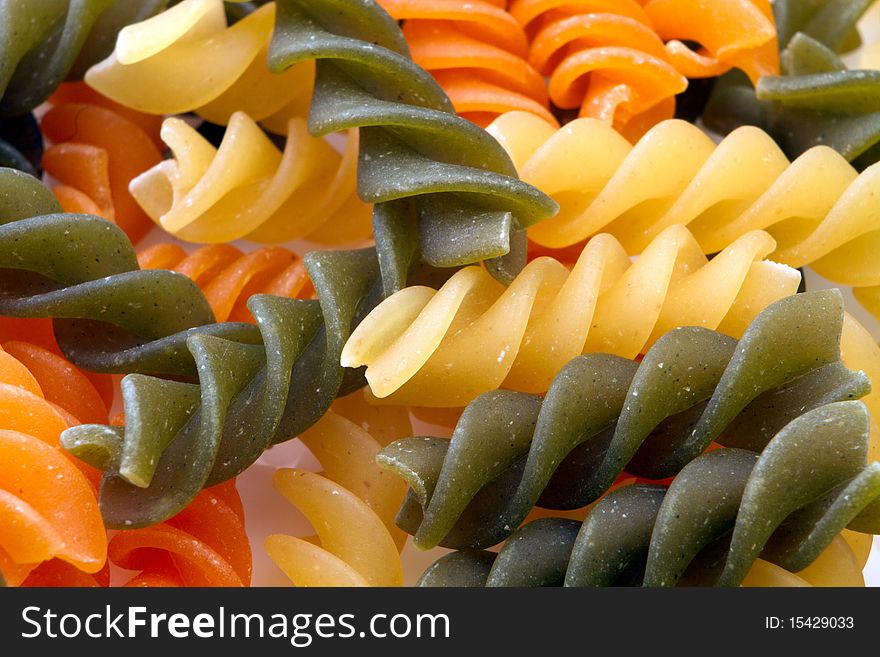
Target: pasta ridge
352	504
429	172
477	52
48	506
249	189
606	417
444	348
228	277
817	208
705	527
111	316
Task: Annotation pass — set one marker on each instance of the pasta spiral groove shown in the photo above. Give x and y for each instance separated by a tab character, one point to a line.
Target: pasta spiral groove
476	51
604	414
179	436
48	507
818	208
443	348
441	184
706	527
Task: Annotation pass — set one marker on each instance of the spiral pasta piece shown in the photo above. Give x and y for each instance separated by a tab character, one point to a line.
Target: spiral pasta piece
97	149
604	415
477	52
352	506
48	507
238	388
818	208
169	53
816	99
249	189
624	62
203	545
444	189
444	348
787	504
228	277
42	43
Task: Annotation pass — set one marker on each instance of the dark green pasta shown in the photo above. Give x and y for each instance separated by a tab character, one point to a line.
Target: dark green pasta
44	42
604	415
237	388
816	100
722	511
441	185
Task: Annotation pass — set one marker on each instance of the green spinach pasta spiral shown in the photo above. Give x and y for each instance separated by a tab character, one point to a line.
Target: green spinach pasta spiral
817	100
724	509
43	42
441	185
604	414
417	157
255	385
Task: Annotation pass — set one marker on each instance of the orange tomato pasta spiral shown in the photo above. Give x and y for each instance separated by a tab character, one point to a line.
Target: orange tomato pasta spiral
623	61
48	505
477	52
98	147
229	277
203	545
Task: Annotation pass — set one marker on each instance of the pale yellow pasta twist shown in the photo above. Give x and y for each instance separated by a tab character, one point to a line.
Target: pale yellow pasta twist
351	505
188	59
249	189
819	209
444	348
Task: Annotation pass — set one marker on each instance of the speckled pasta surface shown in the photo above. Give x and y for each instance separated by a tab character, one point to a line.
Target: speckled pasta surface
605	415
237	388
724	510
445	191
44	42
817	99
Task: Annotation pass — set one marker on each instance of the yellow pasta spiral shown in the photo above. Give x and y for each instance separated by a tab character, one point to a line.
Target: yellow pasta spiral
819	209
351	506
248	188
446	347
188	59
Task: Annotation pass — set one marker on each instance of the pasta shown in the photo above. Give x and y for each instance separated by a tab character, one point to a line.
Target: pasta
203	545
476	51
816	100
48	508
158	67
43	43
97	150
228	278
444	189
352	506
248	189
787	504
443	348
818	207
604	414
257	385
609	58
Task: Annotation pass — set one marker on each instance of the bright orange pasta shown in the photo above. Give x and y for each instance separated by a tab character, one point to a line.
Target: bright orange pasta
229	277
477	52
624	61
98	147
48	506
203	545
